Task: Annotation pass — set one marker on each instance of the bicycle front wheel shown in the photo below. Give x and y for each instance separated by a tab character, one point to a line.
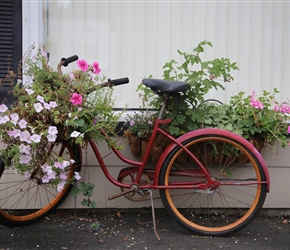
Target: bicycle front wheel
216	211
26	200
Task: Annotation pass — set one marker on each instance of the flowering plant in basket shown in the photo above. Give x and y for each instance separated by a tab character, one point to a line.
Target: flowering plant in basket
53	107
260	119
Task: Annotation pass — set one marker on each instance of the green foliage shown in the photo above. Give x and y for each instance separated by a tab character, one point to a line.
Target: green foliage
261	118
87	189
202	76
140	123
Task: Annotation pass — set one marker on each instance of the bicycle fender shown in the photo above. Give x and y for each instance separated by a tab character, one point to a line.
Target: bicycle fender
213	131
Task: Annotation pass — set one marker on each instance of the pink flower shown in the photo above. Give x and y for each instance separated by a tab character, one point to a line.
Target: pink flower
257	104
285	108
96	68
76	99
83	65
277	108
288	129
14	133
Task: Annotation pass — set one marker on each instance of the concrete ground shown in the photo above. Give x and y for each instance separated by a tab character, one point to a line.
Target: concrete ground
132	229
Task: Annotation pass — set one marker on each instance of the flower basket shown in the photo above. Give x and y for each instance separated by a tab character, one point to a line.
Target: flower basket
53	107
138	145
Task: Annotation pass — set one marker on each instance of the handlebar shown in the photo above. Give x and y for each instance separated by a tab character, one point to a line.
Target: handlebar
119	81
66	61
69	60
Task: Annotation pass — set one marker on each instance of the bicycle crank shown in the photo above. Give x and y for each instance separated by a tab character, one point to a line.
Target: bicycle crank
135	194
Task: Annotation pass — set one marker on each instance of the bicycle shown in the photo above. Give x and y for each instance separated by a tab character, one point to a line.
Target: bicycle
212	182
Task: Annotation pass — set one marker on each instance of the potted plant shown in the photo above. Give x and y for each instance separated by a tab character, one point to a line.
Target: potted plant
202	76
52	107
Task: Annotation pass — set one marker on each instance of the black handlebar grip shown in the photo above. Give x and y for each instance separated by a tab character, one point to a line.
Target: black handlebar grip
119	81
69	60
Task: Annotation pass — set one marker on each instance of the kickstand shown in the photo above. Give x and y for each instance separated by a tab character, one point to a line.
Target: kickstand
153	214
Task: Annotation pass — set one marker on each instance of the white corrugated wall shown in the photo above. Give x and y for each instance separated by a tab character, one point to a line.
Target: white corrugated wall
136	38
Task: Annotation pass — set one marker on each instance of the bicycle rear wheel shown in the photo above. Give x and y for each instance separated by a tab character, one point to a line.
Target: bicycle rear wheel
217	211
27	200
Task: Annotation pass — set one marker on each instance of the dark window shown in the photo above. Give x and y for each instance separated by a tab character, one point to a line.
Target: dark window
10	43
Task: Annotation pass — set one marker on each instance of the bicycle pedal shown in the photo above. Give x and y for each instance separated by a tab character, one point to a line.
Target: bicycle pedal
122	193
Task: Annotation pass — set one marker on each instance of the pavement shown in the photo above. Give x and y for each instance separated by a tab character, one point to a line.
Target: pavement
133	229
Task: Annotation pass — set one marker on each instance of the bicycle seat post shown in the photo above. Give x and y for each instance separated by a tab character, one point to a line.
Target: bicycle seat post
163	107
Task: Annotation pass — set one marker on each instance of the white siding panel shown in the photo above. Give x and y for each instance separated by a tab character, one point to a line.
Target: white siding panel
163	35
255	50
277	46
232	45
150	38
285	53
267	52
135	39
244	46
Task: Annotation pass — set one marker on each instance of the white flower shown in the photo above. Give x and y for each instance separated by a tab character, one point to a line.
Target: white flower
51	137
4	119
14	118
22	123
52	130
53	104
3	108
75	134
38	107
35	138
77	176
27	175
25	136
25	159
40	98
65	164
63	176
29	91
24	149
47	106
61	185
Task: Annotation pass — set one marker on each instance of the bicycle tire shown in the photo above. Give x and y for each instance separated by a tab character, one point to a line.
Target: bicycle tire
24	201
221	211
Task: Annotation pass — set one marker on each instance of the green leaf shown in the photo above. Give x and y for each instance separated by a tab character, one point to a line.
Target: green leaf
75	191
79	122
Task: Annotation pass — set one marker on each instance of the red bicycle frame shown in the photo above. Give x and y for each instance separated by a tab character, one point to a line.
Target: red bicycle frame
140	166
